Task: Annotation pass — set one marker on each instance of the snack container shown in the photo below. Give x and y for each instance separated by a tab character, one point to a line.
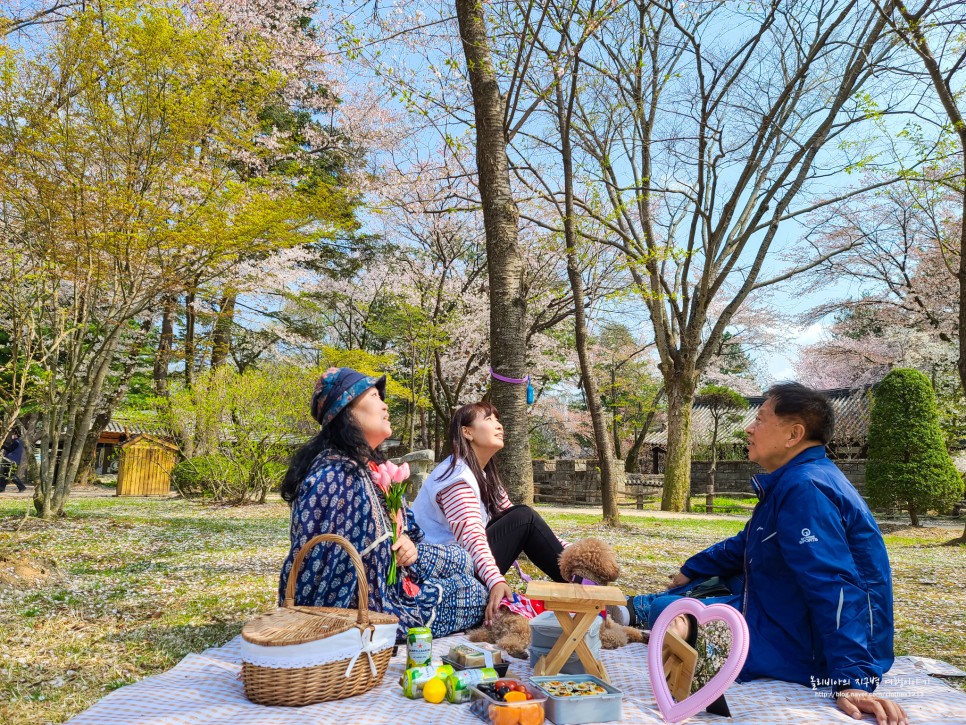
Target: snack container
580	709
501	668
494	712
474	655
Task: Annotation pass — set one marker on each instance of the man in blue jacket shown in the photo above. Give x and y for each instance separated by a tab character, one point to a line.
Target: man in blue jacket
809	571
12	450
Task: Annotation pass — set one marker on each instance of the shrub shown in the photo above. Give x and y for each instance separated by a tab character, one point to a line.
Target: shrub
226	479
908	464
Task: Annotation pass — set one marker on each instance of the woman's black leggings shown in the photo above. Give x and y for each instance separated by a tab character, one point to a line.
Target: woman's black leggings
521	529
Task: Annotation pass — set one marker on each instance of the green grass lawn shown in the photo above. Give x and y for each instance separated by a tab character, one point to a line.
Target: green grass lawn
124	588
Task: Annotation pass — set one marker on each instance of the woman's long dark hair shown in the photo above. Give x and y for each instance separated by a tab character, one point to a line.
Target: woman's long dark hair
490	484
343	435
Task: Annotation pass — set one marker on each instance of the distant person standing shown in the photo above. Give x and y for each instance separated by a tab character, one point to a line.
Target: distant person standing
10	465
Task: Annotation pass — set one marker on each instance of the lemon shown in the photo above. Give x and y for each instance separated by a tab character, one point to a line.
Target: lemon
434	691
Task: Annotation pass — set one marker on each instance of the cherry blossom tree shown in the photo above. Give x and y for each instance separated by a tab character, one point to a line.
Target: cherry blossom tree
694	154
115	173
932	31
905	313
302	138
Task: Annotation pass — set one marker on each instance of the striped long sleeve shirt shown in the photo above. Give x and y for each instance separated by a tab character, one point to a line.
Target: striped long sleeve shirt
461	507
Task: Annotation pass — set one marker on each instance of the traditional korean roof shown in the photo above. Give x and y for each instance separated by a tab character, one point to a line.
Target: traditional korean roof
118	431
133	429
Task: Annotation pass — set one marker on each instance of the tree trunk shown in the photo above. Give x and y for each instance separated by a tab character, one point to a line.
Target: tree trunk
165	344
913	513
613	412
709	491
221	334
439	433
190	316
29	424
962	284
85	474
73	423
712	471
49	456
503	257
605	461
677	467
632	462
81	421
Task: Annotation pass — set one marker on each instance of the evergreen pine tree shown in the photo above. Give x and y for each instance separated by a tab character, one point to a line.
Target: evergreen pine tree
908	464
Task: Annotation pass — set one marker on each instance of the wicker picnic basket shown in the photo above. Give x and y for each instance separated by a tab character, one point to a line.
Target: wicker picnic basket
297	656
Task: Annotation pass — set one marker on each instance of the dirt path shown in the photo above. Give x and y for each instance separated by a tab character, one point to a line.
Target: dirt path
635	513
889	524
83	492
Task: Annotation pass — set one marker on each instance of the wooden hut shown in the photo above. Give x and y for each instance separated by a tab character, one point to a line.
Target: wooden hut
145	465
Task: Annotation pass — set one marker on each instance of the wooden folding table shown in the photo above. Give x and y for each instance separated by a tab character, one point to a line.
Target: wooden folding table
585	603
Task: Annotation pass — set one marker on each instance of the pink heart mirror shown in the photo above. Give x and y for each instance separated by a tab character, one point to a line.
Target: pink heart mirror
673	710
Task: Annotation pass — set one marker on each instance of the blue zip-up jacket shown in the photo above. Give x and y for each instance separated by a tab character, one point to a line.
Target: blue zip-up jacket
818	588
15	452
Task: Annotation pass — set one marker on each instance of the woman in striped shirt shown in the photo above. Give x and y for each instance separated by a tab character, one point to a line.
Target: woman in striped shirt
463	501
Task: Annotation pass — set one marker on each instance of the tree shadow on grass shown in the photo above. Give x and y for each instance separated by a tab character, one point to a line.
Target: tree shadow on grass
173	643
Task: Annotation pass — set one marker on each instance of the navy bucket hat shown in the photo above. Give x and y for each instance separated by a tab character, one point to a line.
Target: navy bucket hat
337	388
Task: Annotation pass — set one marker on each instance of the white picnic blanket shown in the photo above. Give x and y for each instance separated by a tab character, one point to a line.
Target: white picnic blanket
206	689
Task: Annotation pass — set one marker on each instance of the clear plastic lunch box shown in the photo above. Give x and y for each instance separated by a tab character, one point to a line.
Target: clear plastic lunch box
495	712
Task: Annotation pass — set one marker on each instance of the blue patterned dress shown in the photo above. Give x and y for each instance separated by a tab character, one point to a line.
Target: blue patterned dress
338	496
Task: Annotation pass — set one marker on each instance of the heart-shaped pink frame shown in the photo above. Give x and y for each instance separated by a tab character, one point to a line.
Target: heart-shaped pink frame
677	711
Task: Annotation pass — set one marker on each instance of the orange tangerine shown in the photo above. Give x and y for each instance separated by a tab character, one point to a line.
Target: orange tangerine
531	714
503	715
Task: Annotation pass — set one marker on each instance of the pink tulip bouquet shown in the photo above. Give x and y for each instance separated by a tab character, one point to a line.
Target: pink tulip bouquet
391	479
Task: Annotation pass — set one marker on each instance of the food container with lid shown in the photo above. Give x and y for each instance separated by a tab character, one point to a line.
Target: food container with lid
465	656
490	709
578	699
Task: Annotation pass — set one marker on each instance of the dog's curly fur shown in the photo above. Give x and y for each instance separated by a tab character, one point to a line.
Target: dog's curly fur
589	559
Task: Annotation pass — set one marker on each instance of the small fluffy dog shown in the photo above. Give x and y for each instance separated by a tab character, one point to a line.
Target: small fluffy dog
590	559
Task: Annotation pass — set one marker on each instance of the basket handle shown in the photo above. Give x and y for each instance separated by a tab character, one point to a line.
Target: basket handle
363	604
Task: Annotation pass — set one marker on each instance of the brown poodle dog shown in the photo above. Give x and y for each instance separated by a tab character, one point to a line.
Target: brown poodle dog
585	559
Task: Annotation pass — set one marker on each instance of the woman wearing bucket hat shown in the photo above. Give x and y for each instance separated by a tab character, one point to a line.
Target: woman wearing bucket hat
331	485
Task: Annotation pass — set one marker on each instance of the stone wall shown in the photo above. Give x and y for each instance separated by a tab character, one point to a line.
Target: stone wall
854	470
732	476
421	464
735	476
565	482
